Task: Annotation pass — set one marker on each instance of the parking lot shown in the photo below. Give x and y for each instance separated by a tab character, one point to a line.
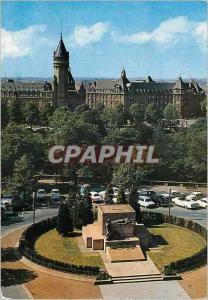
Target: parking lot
198	215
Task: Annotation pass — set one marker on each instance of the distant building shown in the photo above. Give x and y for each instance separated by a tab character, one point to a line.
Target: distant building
63	90
186	97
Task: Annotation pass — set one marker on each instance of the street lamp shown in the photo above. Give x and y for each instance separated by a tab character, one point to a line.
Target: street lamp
34	196
169	199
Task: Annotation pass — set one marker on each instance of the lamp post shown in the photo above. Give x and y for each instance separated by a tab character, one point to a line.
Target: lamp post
33	196
169	199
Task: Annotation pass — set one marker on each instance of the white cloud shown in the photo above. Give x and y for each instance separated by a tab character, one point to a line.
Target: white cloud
167	33
201	33
85	35
22	42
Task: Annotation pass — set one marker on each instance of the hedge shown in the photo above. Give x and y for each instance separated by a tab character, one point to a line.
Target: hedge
188	263
29	236
26	247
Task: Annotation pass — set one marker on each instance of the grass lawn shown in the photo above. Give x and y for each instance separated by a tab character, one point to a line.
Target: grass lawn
174	243
66	249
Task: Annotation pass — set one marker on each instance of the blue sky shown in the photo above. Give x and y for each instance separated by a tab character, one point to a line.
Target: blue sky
163	39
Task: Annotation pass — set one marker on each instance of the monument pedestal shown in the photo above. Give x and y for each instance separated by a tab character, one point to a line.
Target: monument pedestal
116	227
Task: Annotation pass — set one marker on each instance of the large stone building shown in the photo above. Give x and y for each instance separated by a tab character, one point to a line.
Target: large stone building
186	97
63	90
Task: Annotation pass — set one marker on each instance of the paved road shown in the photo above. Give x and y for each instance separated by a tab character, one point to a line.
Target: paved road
13	292
27	219
199	215
159	290
17	291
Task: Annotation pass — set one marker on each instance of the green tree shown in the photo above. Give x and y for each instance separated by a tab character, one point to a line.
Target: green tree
170	112
84	214
109	195
123	136
115	117
69	128
121	197
129	177
152	114
81	108
46	114
15	112
87	199
137	113
204	105
4	114
99	107
64	221
22	179
32	116
17	141
195	159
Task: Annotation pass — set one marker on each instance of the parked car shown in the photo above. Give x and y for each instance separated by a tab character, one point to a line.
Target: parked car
195	196
7	200
96	198
160	200
173	194
41	194
189	204
147	193
203	202
174	200
146	201
102	194
55	195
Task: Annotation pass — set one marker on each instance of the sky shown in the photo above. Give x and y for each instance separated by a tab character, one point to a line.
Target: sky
161	39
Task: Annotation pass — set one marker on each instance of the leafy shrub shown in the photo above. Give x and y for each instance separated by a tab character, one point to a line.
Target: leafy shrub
168	271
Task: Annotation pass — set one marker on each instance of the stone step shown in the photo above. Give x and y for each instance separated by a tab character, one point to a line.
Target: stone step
158	275
147	279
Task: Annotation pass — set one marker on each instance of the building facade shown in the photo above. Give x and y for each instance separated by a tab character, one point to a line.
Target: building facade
63	90
186	97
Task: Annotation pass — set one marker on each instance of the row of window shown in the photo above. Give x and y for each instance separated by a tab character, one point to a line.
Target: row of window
26	94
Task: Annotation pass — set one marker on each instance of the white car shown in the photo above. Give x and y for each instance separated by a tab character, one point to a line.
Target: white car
55	195
194	196
102	194
185	203
173	194
203	202
41	194
96	198
7	200
145	201
177	199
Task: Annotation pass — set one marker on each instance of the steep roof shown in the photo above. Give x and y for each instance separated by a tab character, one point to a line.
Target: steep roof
149	79
12	85
106	84
22	86
180	84
152	86
61	50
